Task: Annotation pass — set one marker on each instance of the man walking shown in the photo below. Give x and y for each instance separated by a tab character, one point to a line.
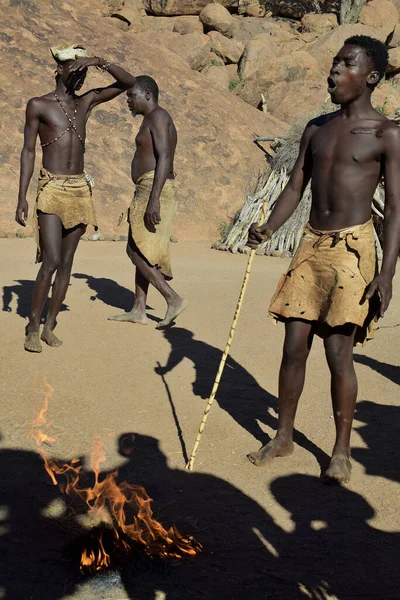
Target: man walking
154	204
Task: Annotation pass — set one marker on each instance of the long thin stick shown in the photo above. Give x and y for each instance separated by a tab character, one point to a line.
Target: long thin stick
190	464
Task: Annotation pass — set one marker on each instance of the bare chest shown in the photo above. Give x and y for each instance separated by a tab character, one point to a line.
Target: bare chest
351	146
143	139
56	116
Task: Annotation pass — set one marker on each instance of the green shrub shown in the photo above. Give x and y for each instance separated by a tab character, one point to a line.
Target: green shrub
234	83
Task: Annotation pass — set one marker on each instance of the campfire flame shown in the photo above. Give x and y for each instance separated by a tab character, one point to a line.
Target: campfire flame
108	504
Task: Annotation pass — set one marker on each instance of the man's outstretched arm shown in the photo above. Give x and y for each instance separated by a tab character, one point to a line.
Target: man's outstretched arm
123	79
290	196
391	225
27	159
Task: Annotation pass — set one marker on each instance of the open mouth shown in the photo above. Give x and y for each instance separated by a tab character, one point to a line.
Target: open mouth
331	84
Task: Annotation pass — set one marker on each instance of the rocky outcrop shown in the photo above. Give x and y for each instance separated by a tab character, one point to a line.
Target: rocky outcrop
255	10
381	15
294	100
299	66
187	24
217	17
230	50
325	48
394	60
246	28
181	7
318	24
258	54
347	10
130	11
219	76
216	156
296	9
394	40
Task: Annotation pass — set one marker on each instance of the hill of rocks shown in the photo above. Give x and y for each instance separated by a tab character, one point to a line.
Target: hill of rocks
226	70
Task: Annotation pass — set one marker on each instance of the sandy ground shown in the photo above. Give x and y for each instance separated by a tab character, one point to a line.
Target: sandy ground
272	533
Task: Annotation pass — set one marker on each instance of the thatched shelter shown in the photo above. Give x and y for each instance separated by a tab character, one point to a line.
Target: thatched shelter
287	238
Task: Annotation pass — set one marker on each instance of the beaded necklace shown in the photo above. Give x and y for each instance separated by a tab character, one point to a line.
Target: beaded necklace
71	126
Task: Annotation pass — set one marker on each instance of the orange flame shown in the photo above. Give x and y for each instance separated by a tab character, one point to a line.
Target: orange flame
107	503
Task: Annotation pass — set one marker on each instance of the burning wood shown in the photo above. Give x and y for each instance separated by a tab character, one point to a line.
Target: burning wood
111	536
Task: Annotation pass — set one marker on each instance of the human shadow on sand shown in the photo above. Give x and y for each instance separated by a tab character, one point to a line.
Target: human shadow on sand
239	393
380	433
110	292
333	551
23	289
35	529
391	372
232	528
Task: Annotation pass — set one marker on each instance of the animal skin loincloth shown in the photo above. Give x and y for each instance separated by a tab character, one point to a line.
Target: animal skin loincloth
327	280
67	196
153	244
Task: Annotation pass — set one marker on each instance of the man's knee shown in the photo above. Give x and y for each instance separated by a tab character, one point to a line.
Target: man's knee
131	253
294	355
339	357
51	262
65	264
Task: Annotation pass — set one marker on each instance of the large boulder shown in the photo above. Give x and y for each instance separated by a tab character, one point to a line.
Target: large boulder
156	24
217	17
386	98
255	10
181	7
186	24
246	28
130	11
396	4
326	47
394	60
318	24
394	40
230	50
299	66
194	47
291	101
215	158
219	76
258	54
381	15
293	45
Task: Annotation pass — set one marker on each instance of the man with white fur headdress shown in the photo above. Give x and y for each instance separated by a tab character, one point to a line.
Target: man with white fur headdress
64	204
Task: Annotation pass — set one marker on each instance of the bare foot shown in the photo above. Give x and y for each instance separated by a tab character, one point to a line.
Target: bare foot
273	449
32	342
174	309
339	470
133	316
50	339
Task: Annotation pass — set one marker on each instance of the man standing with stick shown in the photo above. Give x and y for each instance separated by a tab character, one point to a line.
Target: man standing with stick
332	288
64	204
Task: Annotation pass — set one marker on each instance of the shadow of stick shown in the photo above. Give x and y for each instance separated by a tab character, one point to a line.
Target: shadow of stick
175	416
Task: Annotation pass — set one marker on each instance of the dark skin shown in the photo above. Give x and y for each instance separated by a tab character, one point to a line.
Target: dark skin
155	149
344	154
44	117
